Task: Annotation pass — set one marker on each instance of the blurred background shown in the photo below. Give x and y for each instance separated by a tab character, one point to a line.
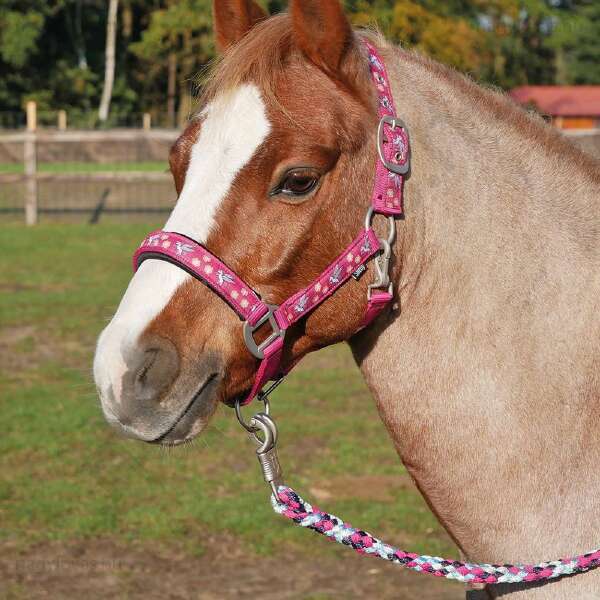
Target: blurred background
92	95
94	92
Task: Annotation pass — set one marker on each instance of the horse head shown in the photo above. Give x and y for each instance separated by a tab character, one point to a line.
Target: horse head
273	175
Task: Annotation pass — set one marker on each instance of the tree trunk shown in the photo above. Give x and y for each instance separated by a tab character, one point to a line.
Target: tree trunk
109	71
187	65
171	89
80	40
562	70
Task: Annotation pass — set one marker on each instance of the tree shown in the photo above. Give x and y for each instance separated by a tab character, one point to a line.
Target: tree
450	39
59	52
175	46
576	41
109	70
438	29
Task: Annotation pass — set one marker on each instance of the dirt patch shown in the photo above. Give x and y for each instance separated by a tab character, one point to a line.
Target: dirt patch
377	488
13	335
13	356
105	569
24	347
12	288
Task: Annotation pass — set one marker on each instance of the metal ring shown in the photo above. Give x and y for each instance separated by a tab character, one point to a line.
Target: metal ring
391	224
248	426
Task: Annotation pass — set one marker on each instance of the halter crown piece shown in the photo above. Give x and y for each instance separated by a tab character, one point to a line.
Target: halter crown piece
393	165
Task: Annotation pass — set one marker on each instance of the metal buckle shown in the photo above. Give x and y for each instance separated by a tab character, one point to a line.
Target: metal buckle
393	122
258	350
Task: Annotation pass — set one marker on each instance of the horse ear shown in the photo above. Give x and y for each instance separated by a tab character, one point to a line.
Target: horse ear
322	31
233	19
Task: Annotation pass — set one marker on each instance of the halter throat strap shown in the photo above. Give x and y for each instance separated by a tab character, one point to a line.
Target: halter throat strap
393	165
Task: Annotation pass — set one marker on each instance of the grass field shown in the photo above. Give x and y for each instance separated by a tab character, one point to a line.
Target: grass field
66	477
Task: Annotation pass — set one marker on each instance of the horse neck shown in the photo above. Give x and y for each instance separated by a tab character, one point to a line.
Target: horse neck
485	376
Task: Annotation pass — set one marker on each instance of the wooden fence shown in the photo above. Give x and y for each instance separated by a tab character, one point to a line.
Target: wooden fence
123	185
29	179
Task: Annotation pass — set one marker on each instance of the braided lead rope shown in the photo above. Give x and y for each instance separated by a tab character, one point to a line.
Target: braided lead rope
292	506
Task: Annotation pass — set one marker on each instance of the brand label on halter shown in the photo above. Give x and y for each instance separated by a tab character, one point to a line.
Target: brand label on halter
359	272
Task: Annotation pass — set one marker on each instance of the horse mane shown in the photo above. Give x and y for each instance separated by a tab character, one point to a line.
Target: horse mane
498	106
256	57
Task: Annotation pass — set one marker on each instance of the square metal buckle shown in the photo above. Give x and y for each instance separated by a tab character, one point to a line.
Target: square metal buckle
393	122
258	350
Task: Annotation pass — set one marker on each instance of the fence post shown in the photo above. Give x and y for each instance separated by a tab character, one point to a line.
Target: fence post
62	120
30	160
147	121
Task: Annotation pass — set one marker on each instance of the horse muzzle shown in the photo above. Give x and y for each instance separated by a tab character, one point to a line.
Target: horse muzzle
149	393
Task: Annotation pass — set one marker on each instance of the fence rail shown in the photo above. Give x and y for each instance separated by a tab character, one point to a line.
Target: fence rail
63	120
61	171
111	135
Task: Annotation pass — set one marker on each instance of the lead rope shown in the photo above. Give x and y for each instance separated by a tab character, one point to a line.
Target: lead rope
288	503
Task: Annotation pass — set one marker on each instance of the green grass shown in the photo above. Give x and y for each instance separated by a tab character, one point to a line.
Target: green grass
65	475
88	167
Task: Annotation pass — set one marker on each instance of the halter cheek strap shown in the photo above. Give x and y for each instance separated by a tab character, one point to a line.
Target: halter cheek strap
393	145
392	166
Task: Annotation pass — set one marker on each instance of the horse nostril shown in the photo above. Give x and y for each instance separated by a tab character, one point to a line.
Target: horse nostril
158	370
147	365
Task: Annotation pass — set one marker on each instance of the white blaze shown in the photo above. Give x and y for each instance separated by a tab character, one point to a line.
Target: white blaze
234	126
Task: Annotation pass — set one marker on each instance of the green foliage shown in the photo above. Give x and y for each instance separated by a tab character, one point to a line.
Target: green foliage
576	41
450	39
19	34
181	30
54	51
169	28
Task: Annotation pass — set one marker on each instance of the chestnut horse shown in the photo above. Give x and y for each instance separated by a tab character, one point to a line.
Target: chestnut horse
485	371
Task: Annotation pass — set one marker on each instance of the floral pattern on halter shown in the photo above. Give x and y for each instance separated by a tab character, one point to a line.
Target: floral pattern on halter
205	266
388	190
340	271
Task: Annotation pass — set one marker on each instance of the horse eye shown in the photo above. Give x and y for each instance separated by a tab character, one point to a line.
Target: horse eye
297	182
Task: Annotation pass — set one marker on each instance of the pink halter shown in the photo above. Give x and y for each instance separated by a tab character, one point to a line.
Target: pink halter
392	165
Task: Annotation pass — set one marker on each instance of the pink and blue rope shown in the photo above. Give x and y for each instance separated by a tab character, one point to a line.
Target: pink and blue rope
291	505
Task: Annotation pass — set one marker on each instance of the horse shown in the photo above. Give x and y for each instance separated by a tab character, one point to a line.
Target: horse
485	369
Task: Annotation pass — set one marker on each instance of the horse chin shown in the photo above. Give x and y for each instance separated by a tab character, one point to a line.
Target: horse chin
238	398
186	411
194	418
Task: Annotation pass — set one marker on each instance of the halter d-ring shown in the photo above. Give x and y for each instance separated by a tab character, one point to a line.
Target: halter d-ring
391	237
249	427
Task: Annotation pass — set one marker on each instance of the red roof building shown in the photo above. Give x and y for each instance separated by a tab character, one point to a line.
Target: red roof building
568	107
